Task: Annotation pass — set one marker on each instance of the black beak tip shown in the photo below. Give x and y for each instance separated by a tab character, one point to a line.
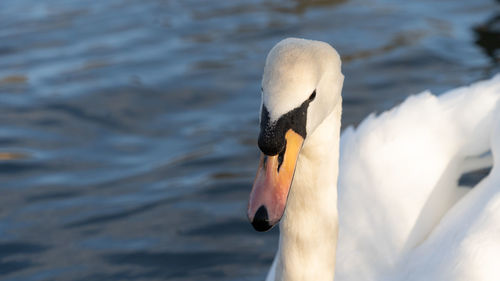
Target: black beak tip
261	220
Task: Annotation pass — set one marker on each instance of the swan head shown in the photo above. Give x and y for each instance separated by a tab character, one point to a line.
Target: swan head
300	87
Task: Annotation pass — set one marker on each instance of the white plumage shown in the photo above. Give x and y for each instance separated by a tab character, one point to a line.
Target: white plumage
401	214
398	190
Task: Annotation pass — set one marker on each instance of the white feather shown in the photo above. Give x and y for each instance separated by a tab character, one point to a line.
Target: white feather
401	214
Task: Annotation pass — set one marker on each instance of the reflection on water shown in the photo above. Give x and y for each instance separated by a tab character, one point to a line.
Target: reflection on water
128	129
489	37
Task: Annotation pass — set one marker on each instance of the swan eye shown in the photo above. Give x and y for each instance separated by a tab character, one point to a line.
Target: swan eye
312	96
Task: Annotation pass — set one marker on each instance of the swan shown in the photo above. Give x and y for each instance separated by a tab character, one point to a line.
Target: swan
382	201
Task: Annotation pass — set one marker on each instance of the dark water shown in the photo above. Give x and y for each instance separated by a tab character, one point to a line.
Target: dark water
128	128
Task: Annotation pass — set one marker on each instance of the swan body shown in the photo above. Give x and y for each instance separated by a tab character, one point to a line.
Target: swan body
407	218
382	201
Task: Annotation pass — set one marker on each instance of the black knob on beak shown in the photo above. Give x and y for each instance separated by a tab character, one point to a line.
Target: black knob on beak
272	135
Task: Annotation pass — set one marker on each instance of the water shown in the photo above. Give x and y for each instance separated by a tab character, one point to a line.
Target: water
128	128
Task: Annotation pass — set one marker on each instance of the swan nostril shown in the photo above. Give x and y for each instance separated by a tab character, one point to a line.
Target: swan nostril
281	157
261	220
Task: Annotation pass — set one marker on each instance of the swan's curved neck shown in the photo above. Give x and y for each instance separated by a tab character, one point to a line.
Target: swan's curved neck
308	229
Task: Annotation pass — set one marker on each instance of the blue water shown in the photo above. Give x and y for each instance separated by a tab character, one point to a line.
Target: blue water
128	128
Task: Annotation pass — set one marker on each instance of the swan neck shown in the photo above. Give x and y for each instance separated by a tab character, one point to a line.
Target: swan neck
309	227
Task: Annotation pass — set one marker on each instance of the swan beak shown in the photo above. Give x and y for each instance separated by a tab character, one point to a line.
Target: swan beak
272	184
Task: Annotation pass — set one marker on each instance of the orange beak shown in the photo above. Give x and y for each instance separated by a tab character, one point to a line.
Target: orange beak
272	184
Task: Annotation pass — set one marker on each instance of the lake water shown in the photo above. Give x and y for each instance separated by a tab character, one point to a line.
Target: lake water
128	128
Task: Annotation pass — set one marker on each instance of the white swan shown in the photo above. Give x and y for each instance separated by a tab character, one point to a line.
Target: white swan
401	213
